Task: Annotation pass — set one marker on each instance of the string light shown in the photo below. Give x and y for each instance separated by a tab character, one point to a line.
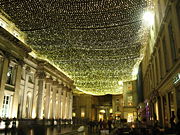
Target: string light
96	42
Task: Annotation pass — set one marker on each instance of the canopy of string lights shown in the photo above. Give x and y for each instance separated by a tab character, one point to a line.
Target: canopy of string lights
97	43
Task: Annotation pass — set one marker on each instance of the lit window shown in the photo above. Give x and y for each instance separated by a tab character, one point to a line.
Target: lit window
129	100
11	75
6	106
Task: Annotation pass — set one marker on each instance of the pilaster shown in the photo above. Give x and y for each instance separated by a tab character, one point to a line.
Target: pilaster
3	82
55	84
162	111
47	101
16	93
60	86
168	109
64	107
41	85
70	104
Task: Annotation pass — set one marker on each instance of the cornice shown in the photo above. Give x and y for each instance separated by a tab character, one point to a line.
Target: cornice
4	33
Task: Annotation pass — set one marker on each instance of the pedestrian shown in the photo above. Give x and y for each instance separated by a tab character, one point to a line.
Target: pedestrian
7	123
178	123
173	124
110	125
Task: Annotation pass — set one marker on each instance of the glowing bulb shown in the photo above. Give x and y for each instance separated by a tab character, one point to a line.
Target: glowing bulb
120	82
148	17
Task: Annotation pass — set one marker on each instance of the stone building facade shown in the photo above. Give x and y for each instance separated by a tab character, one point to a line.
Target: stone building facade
122	106
30	87
161	64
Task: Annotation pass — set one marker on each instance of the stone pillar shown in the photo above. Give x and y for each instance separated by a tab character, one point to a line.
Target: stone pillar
70	105
168	109
16	93
34	99
24	96
177	100
64	103
60	86
67	104
162	111
48	91
41	85
3	82
55	84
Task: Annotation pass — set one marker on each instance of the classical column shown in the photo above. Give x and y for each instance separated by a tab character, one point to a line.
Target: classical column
3	82
16	93
162	110
168	109
55	84
34	98
24	96
64	103
41	85
48	91
70	104
67	103
58	113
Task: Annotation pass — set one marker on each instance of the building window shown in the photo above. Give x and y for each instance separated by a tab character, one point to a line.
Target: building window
165	53
157	69
129	100
30	80
82	112
6	106
178	12
11	75
117	100
160	63
172	41
117	109
129	86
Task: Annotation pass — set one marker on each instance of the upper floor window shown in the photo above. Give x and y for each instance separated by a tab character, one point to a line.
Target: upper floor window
129	86
11	74
178	11
130	100
30	79
117	109
165	53
117	100
172	41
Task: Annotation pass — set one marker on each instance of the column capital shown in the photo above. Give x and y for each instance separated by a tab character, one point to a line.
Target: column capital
40	74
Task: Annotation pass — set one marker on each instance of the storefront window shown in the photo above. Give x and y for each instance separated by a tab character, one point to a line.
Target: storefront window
171	103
